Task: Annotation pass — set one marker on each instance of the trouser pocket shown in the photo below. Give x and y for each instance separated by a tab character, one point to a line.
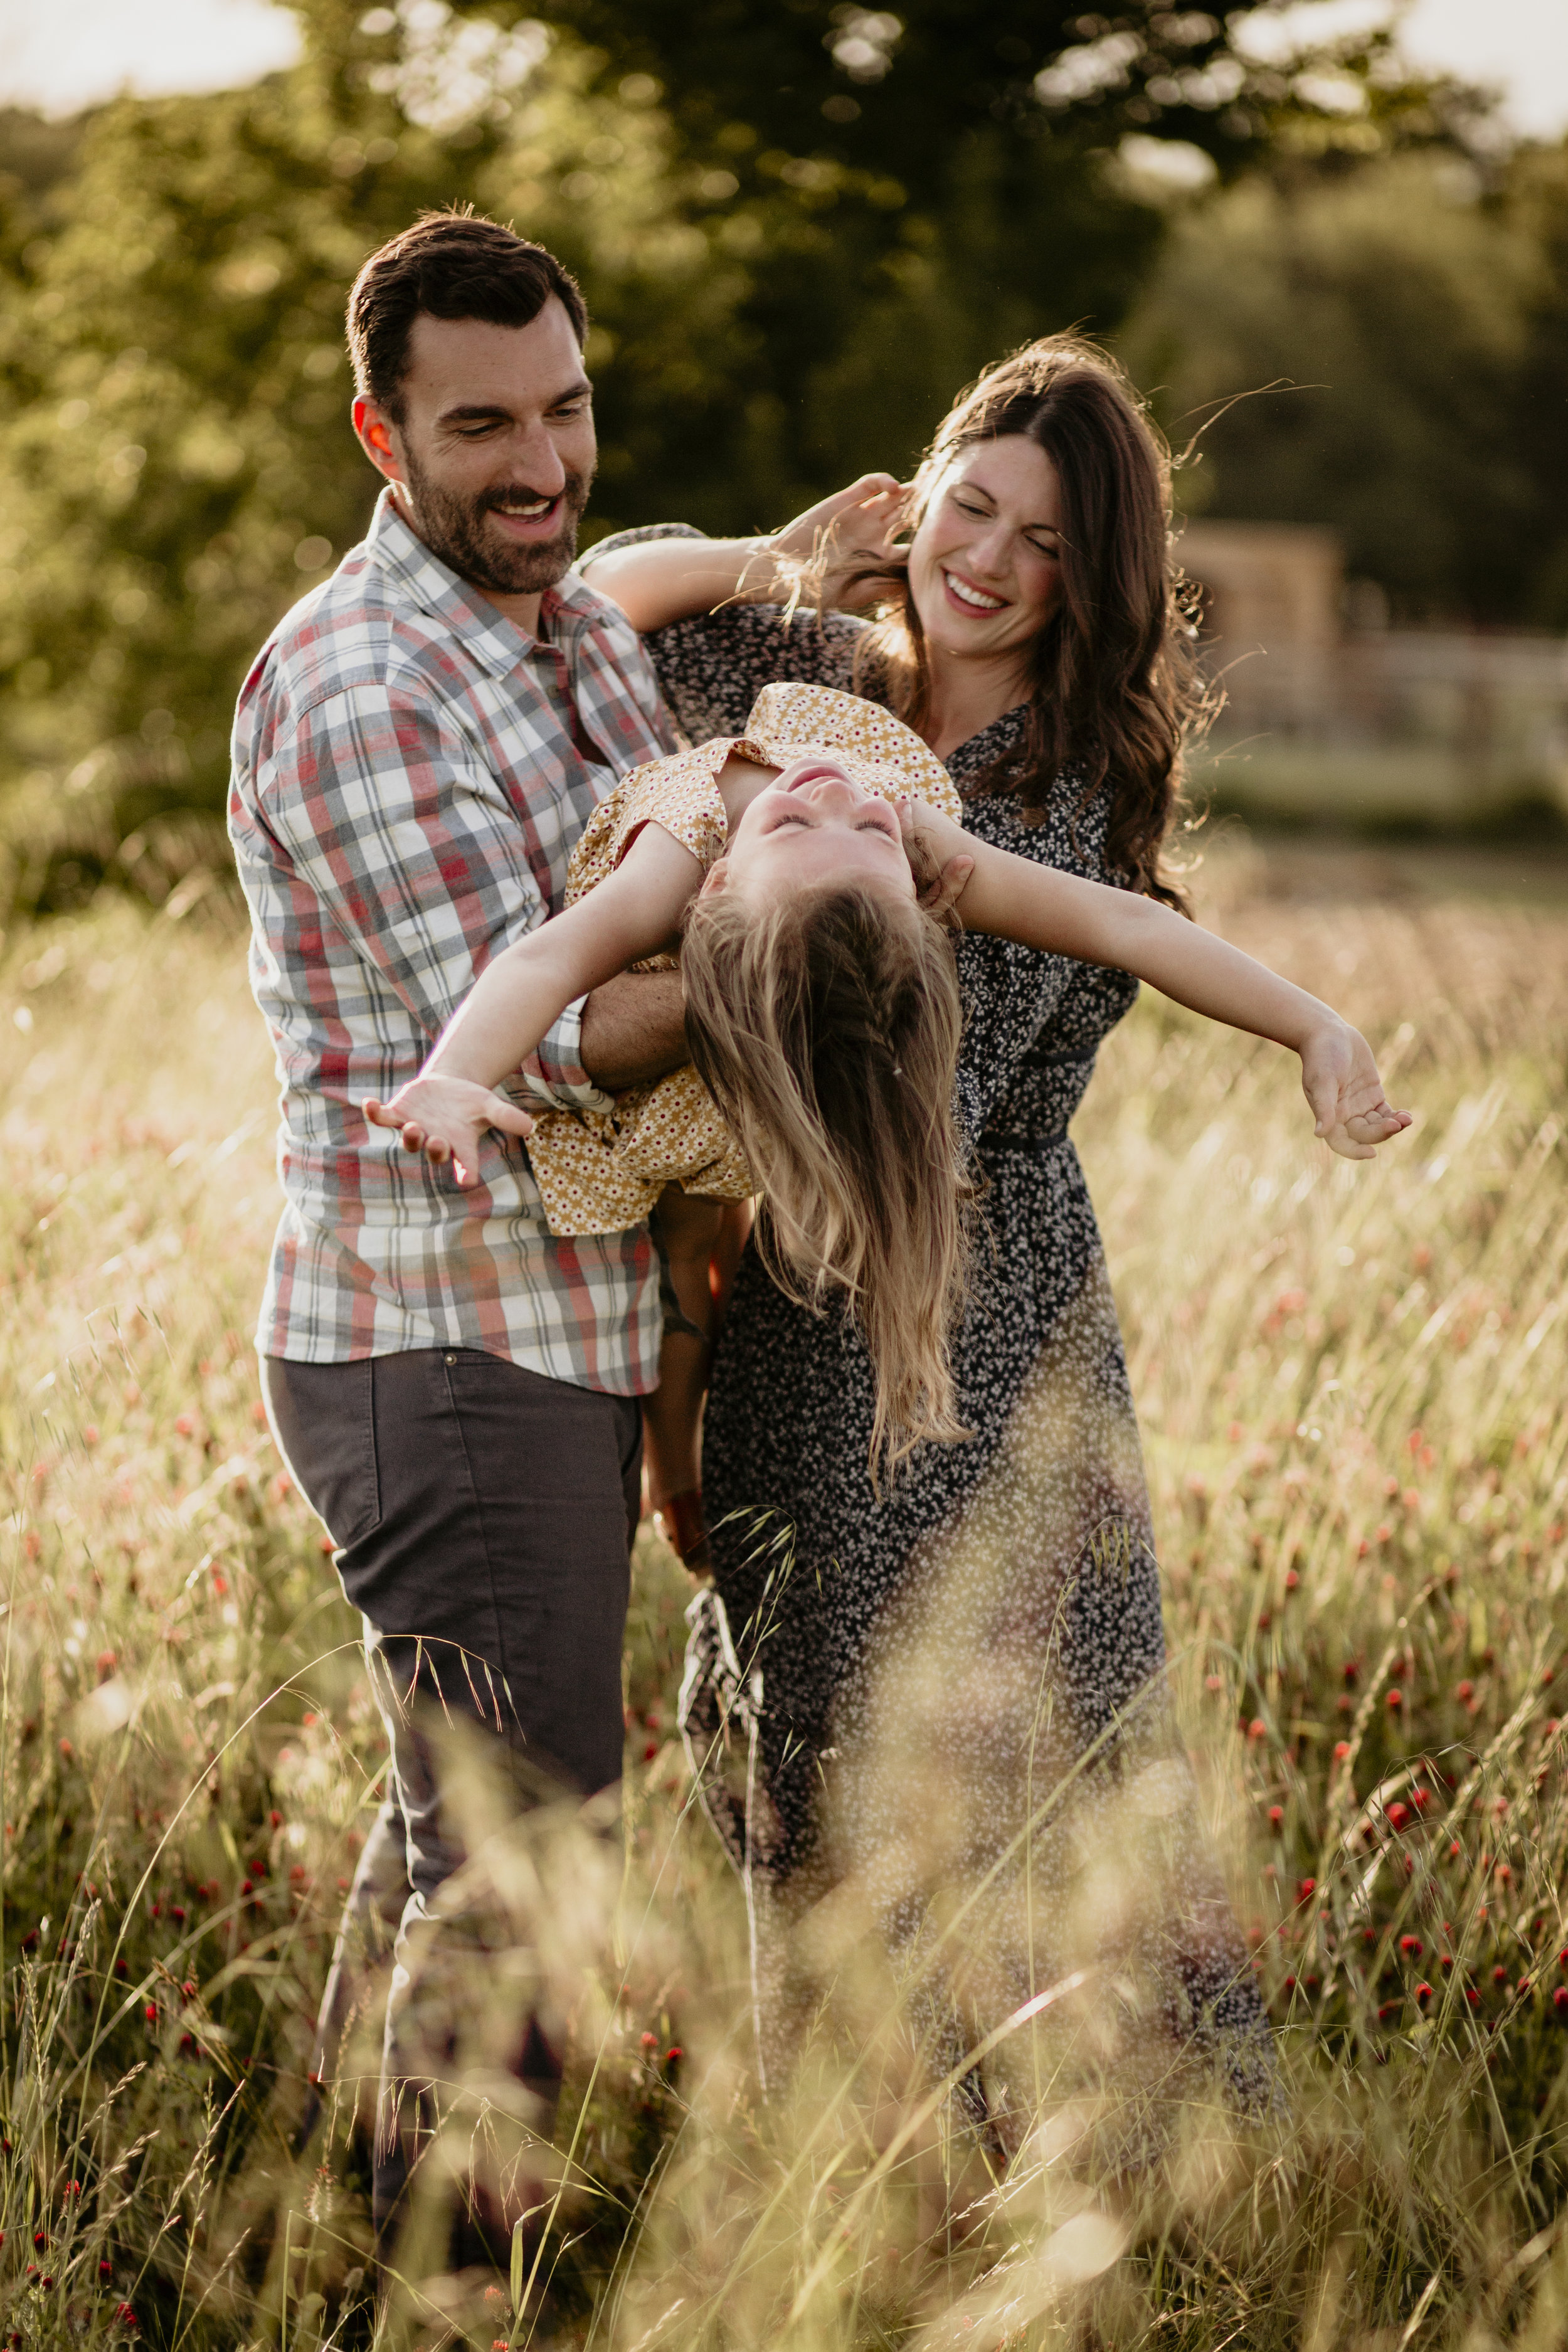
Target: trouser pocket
324	1419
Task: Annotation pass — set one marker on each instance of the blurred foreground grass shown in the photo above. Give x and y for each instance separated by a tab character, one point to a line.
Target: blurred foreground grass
1351	1381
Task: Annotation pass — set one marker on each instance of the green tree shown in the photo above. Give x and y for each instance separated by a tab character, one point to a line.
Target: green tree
177	464
799	225
1417	328
1535	203
959	181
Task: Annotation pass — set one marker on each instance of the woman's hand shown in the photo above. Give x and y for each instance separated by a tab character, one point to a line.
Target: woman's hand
850	532
444	1118
939	853
664	580
1339	1078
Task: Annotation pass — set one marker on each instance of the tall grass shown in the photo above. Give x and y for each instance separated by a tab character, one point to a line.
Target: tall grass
1350	1382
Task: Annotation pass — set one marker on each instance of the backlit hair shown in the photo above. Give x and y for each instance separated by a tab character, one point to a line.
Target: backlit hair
826	1025
450	265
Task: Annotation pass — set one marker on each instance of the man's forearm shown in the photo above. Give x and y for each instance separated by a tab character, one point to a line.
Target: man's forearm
634	1030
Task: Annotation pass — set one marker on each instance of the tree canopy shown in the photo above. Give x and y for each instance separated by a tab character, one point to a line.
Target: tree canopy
800	225
1413	322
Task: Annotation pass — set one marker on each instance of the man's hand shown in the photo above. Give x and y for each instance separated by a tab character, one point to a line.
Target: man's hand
1339	1078
634	1030
850	532
444	1118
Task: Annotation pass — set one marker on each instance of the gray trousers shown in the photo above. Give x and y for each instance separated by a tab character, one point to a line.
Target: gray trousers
482	1518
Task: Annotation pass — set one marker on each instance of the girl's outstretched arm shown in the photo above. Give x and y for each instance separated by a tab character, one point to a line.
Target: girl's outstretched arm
634	912
1040	908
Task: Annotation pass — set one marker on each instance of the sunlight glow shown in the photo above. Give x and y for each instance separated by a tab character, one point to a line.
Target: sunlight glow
80	52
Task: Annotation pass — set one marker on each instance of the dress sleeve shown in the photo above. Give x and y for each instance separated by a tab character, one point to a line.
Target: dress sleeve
678	794
712	666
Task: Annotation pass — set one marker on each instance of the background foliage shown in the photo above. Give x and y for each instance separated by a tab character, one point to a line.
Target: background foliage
1423	315
801	226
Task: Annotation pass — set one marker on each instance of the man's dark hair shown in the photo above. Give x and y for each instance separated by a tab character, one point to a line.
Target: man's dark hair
453	264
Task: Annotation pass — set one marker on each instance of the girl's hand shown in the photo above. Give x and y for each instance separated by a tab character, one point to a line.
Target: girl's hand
444	1118
849	532
1339	1078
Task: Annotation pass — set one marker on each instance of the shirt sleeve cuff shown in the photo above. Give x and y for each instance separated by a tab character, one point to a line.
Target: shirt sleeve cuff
554	1071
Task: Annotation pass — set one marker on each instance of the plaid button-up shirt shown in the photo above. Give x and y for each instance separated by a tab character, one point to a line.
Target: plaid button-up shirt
408	784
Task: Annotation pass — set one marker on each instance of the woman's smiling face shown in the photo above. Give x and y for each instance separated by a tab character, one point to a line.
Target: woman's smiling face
985	564
814	823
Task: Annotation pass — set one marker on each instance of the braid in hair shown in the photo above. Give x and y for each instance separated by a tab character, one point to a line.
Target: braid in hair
826	1026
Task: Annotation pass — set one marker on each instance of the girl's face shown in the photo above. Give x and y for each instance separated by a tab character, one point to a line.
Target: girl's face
985	564
814	823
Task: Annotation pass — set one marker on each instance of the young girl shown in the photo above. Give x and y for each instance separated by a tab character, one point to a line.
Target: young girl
823	1014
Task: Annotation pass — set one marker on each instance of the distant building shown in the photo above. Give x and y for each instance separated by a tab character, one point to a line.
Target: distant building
1330	713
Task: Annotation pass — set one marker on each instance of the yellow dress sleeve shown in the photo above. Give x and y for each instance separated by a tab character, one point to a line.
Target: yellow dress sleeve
680	793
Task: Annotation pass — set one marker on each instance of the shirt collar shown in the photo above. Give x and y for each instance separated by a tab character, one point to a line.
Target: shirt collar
493	639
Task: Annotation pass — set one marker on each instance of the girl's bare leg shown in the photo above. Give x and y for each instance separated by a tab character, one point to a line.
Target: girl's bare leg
702	1241
687	1230
734	1233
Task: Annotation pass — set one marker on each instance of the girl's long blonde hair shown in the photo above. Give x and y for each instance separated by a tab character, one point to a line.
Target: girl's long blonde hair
826	1026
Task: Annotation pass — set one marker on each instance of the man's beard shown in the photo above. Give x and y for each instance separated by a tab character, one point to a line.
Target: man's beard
453	528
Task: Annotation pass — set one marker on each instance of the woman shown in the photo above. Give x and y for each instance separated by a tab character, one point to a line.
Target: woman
962	1674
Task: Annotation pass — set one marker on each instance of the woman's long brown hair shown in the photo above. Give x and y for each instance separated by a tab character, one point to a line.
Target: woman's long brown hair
826	1026
1115	689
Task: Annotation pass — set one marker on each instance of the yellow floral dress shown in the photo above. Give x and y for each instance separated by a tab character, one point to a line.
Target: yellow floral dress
601	1171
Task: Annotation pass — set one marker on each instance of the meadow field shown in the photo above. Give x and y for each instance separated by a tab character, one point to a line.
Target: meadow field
1351	1381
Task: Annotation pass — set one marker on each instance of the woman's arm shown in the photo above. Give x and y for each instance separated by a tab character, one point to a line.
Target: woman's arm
634	913
1014	898
664	580
658	580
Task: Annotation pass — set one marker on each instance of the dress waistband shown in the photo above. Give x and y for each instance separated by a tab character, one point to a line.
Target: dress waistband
1009	1139
1042	1139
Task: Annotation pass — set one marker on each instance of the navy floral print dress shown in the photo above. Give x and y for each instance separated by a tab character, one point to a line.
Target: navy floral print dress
962	1677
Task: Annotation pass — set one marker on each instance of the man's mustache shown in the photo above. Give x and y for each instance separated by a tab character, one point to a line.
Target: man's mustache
520	495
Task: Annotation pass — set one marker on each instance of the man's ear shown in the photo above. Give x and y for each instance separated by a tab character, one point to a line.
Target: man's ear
379	438
716	878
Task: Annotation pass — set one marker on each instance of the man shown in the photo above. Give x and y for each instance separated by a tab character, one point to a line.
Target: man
416	752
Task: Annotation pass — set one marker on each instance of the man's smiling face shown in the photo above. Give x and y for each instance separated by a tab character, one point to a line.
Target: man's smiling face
493	451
